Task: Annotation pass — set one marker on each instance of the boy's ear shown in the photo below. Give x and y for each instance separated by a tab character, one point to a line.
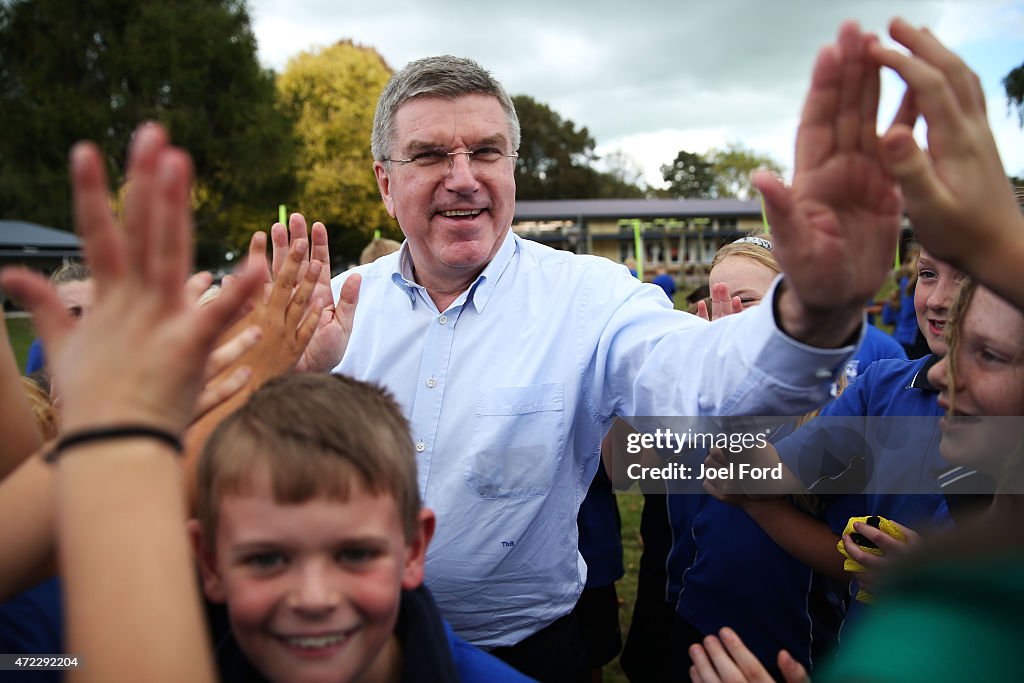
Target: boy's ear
203	550
416	550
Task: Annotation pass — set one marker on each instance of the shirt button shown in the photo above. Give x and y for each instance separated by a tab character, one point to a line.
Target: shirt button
431	383
420	447
443	319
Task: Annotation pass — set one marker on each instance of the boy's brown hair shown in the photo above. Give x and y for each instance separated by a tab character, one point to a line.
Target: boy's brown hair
312	435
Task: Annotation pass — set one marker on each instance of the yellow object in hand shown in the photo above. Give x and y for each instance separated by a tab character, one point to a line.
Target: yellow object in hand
851	565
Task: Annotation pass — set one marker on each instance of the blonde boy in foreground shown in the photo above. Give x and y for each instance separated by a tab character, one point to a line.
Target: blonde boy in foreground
312	532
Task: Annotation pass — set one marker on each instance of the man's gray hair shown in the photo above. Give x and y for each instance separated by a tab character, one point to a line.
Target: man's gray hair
446	77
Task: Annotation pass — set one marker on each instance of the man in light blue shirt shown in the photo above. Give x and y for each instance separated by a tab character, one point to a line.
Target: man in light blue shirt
510	359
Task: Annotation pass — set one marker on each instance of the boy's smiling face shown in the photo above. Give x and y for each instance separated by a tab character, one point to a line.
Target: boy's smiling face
313	589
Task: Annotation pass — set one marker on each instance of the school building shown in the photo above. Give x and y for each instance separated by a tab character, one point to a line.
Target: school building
680	234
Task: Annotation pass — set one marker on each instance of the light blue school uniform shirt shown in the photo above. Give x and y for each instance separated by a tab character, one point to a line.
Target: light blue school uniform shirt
510	390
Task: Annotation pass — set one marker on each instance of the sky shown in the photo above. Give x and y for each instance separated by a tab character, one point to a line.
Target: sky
651	77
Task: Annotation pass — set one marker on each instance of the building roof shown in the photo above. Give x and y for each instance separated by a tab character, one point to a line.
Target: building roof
24	239
590	209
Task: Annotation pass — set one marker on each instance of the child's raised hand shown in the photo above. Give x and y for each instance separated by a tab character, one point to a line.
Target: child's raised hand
287	315
334	324
721	303
956	192
139	357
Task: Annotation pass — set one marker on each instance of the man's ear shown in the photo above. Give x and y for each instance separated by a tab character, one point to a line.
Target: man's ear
384	184
416	550
202	548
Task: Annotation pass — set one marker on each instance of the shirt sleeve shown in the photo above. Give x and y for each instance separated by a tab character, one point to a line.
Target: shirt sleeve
655	361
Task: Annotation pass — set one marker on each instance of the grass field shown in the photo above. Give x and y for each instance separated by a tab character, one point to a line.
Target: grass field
22	334
630	506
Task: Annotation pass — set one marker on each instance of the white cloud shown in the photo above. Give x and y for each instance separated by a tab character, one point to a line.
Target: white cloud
652	77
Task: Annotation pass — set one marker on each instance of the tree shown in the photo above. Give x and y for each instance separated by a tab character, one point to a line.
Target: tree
96	69
732	167
1014	84
689	176
717	173
331	94
556	159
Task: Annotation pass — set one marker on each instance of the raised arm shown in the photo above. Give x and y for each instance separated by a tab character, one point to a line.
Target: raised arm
286	318
835	229
21	437
957	192
135	364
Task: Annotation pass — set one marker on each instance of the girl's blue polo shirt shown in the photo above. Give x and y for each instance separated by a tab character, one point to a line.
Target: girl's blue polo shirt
727	572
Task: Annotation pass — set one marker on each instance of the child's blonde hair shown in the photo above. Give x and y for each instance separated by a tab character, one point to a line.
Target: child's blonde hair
42	409
756	247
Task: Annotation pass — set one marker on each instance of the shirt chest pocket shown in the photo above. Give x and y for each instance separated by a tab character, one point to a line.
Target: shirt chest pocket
518	435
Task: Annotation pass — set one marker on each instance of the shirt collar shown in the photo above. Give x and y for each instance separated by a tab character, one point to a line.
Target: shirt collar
402	276
478	293
481	290
920	380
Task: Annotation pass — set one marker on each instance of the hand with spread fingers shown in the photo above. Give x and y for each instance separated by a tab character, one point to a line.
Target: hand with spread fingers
334	325
129	374
140	268
835	229
957	192
726	659
287	313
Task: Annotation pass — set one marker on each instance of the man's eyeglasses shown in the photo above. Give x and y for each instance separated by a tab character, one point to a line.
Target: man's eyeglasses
482	158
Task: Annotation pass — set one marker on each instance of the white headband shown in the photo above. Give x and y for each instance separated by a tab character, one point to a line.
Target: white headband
759	241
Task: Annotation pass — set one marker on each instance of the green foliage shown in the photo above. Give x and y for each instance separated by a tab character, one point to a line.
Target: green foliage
718	173
1014	84
331	94
733	166
689	176
556	159
95	69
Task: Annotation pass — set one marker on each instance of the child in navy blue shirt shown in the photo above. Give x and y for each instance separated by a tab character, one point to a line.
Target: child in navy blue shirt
312	533
887	389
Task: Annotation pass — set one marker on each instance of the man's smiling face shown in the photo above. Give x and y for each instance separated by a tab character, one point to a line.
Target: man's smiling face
454	216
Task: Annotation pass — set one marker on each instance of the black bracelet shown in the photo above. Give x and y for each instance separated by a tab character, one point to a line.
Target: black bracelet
84	436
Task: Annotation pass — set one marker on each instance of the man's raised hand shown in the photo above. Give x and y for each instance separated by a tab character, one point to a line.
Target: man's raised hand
835	229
